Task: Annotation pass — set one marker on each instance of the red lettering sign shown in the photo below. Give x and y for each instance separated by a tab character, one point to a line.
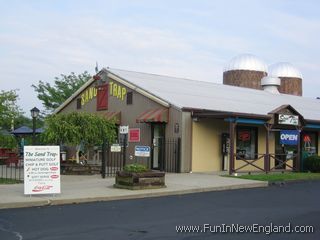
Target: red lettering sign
134	135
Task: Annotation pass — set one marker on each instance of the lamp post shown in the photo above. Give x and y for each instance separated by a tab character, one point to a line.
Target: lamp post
34	114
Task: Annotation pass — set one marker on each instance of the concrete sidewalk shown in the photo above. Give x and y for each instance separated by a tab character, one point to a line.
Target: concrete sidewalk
79	189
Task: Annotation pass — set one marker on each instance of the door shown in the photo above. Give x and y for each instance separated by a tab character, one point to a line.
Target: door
283	152
158	146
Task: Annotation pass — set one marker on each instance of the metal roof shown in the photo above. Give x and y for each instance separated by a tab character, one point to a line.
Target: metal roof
185	93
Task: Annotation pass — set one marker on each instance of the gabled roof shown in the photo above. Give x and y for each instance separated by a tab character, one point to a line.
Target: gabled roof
199	95
191	94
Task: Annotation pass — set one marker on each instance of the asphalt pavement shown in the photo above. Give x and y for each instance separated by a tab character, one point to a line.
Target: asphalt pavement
294	205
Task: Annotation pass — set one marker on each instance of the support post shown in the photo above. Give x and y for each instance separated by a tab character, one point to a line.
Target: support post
34	131
267	155
231	134
103	160
297	166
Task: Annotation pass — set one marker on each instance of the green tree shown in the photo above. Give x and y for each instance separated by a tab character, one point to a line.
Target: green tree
9	109
64	86
75	128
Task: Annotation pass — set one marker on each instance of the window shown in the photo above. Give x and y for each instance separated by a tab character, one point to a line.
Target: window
79	103
129	98
247	143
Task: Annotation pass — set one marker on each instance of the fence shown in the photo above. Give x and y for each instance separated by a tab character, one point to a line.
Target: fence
280	162
11	171
170	161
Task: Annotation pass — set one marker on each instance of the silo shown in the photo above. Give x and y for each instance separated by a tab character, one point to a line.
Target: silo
245	70
291	78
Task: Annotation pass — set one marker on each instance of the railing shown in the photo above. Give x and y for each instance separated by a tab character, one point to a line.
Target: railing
280	160
249	162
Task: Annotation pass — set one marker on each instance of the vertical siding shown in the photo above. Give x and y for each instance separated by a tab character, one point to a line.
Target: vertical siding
129	114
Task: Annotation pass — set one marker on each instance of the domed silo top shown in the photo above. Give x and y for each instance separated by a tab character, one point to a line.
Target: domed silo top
246	62
284	69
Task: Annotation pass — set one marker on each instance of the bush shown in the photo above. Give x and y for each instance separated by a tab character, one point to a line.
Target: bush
312	163
135	168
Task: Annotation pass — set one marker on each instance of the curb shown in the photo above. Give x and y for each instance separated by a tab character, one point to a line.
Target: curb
287	182
54	202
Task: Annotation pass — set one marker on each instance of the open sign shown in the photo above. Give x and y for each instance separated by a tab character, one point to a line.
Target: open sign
289	137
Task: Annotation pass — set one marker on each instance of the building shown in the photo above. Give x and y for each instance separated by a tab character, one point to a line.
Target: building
219	127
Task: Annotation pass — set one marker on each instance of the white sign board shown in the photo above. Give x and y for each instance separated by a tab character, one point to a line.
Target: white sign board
42	170
142	151
115	148
288	119
124	129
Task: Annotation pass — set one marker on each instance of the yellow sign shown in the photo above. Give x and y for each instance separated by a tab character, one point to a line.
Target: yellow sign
117	91
87	95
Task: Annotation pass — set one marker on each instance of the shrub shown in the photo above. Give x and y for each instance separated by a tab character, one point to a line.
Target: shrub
312	163
135	168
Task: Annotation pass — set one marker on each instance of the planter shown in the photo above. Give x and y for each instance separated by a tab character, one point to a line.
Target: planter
137	181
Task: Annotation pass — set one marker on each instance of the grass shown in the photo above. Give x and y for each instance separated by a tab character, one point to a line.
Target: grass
8	181
276	177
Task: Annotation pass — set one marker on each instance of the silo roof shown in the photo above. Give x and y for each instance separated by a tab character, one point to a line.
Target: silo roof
284	69
246	62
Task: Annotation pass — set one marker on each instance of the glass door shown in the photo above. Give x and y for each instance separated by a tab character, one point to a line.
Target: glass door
157	146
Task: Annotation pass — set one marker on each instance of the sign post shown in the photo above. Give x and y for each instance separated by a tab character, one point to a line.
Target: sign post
42	170
124	130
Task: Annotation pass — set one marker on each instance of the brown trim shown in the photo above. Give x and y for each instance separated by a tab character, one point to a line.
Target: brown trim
218	114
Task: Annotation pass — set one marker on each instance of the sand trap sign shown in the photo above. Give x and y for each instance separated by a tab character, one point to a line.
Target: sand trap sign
42	170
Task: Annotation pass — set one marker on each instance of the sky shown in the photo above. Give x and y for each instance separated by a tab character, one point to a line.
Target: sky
195	39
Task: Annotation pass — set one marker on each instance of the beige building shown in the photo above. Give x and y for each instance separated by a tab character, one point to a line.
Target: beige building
212	127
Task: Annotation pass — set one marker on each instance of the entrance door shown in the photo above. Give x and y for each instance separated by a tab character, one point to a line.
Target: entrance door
283	152
158	146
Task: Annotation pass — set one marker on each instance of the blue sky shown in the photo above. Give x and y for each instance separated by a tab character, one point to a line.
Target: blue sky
194	39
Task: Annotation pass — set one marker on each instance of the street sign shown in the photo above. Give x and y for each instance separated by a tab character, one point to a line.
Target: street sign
124	129
42	170
142	151
115	148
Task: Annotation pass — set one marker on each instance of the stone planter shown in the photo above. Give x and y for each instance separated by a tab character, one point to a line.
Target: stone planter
136	181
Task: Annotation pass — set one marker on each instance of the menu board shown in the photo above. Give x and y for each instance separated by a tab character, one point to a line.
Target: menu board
42	170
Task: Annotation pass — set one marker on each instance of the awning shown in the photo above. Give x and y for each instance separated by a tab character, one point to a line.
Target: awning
115	116
153	115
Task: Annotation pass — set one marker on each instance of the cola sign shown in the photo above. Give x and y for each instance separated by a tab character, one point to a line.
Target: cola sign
286	119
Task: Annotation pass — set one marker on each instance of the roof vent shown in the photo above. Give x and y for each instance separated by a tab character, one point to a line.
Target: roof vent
270	84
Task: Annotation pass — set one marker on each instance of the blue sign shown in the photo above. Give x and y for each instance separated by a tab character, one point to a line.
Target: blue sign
142	151
289	137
